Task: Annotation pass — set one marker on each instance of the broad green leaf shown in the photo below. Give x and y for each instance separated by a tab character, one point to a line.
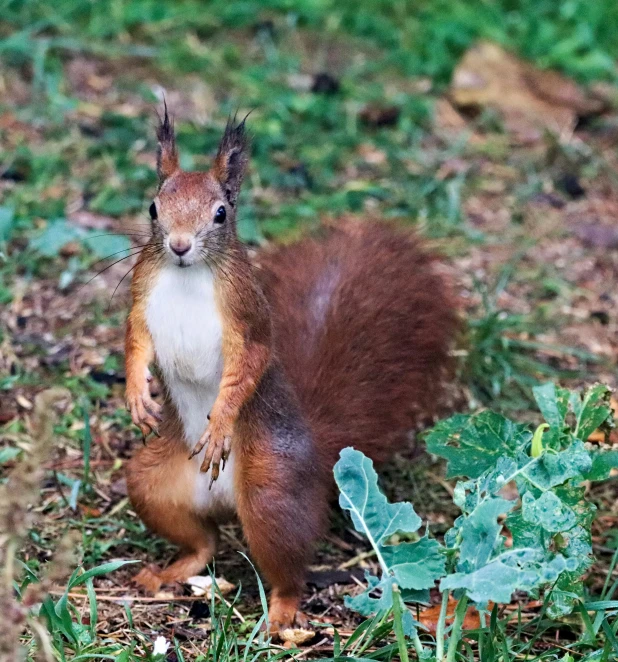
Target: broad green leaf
57	234
473	444
575	545
552	469
412	595
371	513
415	565
366	605
526	534
9	453
410	626
480	533
515	570
592	411
548	512
553	403
60	232
602	464
103	246
7	216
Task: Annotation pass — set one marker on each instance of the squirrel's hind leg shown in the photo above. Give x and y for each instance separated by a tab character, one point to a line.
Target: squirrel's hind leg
190	563
281	507
161	486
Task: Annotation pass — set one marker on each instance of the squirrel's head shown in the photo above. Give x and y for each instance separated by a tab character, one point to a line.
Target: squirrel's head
194	213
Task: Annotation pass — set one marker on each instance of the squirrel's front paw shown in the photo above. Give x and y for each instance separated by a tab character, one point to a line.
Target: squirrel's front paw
145	412
218	442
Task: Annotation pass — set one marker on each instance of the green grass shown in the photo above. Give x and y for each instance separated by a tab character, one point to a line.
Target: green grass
81	83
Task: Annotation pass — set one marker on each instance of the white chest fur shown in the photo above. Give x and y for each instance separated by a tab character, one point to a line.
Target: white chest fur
186	329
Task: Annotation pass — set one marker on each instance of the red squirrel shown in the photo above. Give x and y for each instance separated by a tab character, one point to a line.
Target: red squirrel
269	369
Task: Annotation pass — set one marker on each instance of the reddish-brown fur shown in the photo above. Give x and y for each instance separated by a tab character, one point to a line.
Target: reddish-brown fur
327	343
363	325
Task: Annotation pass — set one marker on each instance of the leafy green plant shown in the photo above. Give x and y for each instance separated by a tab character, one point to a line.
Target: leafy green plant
549	546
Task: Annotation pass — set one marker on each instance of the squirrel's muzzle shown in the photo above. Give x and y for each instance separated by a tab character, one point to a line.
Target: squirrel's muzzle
180	244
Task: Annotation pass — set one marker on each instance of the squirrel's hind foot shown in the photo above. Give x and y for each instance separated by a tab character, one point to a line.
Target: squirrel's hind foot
283	614
149	578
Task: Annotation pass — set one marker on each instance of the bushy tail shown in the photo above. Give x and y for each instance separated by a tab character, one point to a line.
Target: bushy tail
363	327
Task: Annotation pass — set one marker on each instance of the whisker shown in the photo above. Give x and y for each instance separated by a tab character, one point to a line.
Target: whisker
109	267
223	270
117	286
119	234
131	248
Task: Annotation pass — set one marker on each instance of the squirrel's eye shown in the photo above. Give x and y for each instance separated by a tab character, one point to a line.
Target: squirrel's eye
220	215
153	211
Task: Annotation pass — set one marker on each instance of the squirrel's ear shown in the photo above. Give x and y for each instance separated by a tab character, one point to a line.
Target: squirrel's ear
167	155
232	157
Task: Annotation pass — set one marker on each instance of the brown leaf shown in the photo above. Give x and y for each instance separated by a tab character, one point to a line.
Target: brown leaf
70	249
447	119
22	401
90	512
202	585
377	115
429	617
529	99
597	234
296	636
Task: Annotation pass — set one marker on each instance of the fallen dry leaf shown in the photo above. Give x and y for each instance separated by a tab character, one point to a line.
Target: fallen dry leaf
23	402
164	595
296	636
202	585
529	99
90	512
597	235
447	119
377	115
597	437
429	617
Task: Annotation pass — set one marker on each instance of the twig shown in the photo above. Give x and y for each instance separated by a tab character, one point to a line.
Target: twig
306	651
137	598
356	560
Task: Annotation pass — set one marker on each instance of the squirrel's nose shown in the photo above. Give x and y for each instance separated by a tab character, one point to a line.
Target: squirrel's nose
180	245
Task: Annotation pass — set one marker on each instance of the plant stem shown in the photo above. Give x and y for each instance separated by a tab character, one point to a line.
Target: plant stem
612	565
460	613
482	636
398	625
441	625
418	646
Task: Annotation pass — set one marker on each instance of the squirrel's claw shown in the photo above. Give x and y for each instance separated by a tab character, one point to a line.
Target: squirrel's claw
200	444
218	456
227	448
145	413
217	452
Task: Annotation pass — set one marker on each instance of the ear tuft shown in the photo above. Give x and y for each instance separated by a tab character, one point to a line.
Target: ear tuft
232	158
167	154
